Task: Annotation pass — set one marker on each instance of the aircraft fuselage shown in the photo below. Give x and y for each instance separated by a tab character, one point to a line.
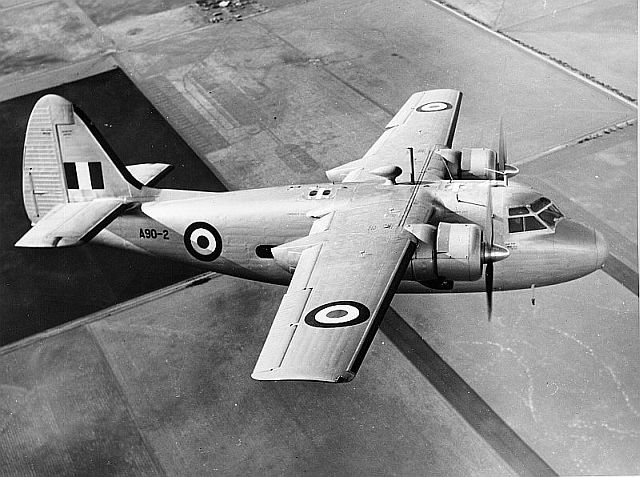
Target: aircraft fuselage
233	232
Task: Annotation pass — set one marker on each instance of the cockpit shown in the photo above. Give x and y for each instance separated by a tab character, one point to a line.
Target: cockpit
541	214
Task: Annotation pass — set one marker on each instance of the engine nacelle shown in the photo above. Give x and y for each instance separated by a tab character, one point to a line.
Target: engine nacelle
452	252
474	163
478	163
459	252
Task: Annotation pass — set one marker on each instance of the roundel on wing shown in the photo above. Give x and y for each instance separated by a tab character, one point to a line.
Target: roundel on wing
203	241
337	314
433	106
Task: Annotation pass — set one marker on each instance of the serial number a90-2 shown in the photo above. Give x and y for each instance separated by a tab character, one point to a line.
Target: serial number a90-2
154	234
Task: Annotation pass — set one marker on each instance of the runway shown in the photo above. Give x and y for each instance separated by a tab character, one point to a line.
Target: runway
162	386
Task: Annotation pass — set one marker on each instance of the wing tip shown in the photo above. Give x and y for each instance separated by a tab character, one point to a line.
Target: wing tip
281	374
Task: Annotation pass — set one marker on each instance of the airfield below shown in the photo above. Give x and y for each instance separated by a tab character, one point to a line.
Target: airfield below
161	385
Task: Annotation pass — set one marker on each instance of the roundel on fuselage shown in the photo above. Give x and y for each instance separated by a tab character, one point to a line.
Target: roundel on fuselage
203	241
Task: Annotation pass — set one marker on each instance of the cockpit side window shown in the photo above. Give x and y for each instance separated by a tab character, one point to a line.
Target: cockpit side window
516	225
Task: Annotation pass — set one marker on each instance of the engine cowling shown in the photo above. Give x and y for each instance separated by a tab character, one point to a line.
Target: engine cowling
478	163
459	252
473	163
452	252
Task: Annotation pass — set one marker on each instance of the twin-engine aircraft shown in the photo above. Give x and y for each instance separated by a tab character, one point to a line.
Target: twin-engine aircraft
412	215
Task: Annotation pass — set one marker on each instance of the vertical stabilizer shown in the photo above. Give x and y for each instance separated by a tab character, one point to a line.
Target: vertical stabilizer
63	161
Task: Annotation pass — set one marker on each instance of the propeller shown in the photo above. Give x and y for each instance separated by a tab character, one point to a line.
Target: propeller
492	252
502	149
508	170
488	271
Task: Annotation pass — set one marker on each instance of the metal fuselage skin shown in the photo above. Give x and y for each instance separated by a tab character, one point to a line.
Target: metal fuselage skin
249	222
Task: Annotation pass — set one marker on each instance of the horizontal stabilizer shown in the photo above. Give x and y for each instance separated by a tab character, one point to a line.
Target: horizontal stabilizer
149	174
71	224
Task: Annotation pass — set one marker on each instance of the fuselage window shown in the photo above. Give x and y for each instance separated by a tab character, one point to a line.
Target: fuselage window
264	251
320	193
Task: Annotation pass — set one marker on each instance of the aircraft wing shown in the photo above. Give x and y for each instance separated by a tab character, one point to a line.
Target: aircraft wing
427	119
343	283
71	223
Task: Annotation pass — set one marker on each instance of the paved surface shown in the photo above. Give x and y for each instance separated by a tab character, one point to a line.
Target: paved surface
182	399
596	39
164	386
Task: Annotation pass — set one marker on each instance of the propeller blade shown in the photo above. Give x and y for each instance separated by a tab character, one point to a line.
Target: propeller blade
502	147
502	153
489	220
488	276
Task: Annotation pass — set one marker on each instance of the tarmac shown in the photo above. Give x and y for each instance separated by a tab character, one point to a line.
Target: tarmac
160	384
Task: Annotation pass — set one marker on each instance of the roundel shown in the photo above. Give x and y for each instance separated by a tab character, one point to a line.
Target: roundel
433	106
337	313
203	241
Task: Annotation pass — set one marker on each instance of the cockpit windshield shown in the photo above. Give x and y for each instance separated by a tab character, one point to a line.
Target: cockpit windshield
539	204
538	215
550	215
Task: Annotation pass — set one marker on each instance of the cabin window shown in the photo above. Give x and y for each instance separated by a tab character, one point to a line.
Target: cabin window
319	193
264	251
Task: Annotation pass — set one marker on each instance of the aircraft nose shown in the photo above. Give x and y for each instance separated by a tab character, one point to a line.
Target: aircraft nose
602	249
582	247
